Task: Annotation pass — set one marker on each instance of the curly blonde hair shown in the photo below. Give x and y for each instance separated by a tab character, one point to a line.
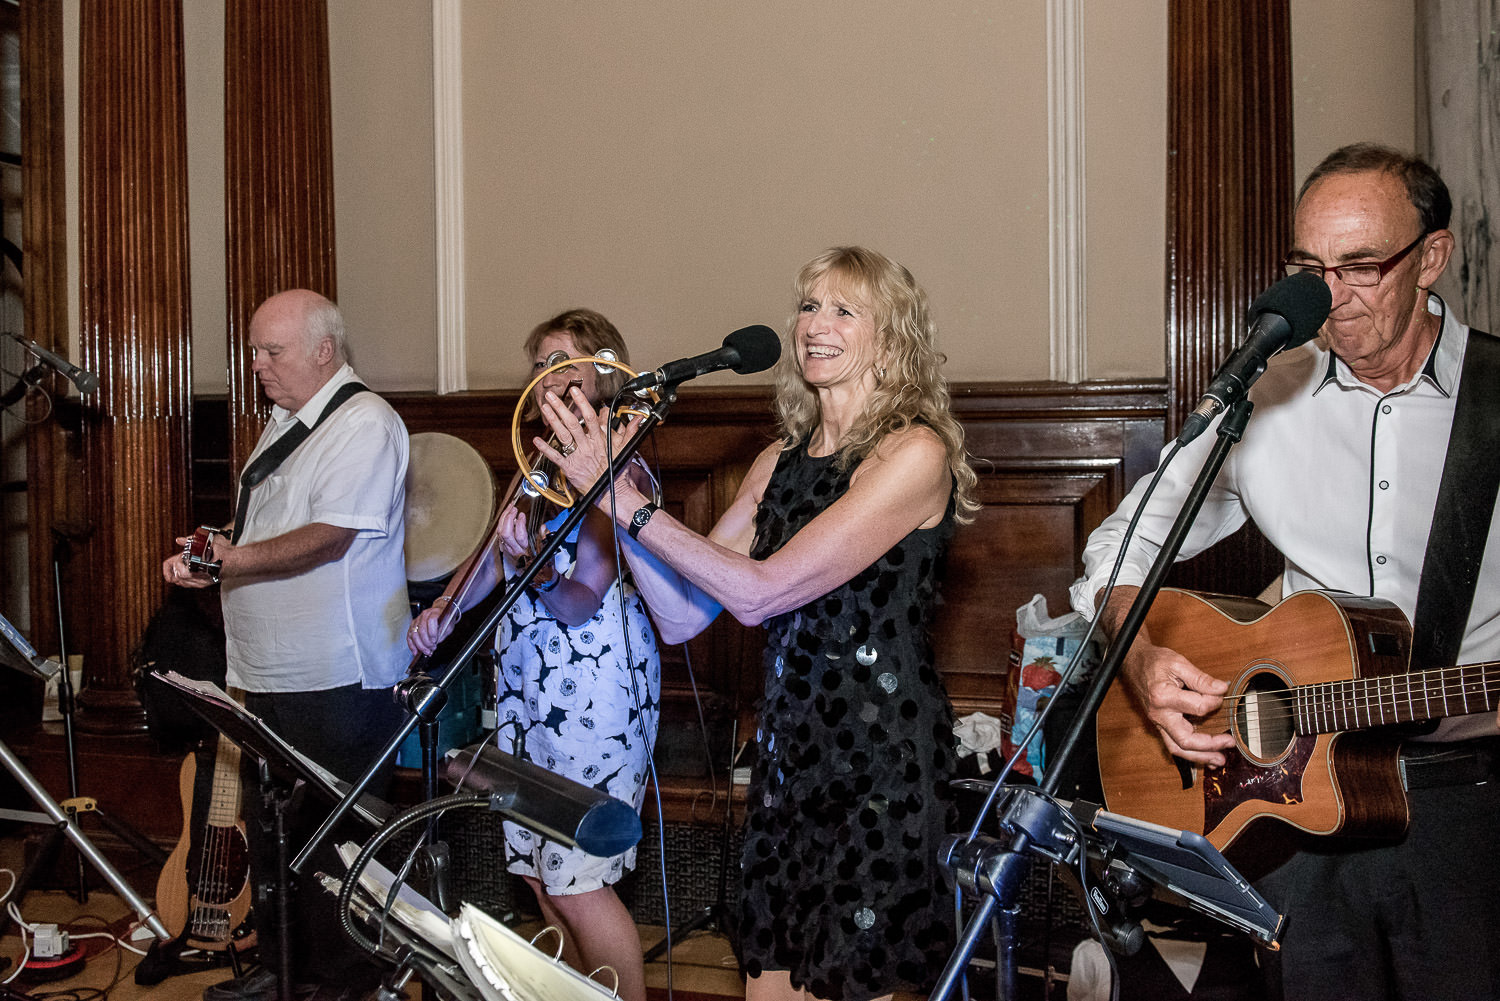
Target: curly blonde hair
910	388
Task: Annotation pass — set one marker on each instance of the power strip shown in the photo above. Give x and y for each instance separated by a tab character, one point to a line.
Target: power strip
49	942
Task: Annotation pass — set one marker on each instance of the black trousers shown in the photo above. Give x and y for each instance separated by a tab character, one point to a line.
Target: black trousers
1415	920
342	729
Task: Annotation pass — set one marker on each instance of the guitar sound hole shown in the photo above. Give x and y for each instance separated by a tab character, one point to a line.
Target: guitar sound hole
1264	719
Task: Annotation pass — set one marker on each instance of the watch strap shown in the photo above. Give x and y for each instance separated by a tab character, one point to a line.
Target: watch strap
640	518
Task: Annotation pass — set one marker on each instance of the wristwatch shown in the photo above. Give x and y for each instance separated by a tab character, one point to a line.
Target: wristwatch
638	520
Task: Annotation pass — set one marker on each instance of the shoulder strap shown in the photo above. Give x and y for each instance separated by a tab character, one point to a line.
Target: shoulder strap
266	463
1465	506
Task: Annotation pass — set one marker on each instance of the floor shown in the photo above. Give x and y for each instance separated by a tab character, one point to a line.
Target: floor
702	967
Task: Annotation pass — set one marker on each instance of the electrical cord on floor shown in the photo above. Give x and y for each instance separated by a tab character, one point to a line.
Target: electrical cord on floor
23	929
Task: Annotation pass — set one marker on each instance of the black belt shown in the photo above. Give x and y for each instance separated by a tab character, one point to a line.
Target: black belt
1464	762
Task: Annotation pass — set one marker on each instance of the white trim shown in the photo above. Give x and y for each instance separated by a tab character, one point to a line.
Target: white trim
1065	190
448	163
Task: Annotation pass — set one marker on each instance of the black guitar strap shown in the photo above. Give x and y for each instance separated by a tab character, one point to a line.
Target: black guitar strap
1465	507
266	463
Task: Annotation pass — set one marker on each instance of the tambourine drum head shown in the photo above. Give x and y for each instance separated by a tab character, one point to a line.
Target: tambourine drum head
450	502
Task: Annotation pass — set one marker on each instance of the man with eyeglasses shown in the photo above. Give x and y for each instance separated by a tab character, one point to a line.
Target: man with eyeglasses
1340	469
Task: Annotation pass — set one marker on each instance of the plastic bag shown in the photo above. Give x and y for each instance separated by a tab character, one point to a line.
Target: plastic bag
1041	649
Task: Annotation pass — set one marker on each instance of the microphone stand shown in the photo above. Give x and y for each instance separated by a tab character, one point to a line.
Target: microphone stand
427	697
1033	822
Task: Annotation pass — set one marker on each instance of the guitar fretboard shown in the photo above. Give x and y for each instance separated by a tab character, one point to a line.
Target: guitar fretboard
224	801
1398	698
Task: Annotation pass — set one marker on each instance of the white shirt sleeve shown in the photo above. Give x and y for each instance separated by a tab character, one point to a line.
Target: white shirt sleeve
1221	515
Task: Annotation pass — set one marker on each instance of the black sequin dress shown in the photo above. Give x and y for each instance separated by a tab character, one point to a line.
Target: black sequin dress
848	800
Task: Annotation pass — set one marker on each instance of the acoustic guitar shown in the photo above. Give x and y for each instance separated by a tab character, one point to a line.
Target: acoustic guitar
203	893
1315	685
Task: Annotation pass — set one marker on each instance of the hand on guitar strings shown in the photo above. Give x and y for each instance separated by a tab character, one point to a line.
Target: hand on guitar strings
1174	692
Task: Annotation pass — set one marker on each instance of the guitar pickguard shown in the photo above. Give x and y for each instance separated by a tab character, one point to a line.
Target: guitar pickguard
1241	780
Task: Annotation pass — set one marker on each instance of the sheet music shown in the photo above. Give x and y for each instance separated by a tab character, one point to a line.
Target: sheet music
412	909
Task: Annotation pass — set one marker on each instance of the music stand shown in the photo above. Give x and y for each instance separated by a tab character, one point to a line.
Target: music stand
1187	867
16	653
288	765
284	773
420	932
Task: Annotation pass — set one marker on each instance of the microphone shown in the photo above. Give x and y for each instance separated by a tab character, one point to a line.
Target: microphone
85	380
749	349
1285	315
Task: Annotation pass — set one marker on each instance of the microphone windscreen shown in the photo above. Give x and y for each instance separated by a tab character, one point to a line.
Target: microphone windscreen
758	347
1302	299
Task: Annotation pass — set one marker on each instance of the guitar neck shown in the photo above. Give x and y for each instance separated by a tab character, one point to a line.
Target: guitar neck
1398	698
224	802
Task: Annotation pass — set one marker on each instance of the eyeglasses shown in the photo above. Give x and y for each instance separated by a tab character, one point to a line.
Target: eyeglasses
1362	275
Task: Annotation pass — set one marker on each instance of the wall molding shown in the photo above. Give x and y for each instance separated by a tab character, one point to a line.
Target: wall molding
1065	191
448	162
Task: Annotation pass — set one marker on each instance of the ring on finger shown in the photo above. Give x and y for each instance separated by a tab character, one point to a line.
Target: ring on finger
568	448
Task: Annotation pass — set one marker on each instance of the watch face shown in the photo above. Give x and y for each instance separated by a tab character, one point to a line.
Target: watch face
640	518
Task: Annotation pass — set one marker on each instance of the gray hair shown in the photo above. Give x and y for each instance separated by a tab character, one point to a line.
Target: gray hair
324	320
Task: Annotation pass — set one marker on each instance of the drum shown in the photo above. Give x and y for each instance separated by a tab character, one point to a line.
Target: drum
450	504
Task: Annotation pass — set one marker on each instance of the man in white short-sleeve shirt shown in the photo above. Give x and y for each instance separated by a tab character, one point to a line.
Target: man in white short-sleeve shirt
314	593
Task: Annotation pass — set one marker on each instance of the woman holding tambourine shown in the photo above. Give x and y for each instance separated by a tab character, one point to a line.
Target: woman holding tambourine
580	680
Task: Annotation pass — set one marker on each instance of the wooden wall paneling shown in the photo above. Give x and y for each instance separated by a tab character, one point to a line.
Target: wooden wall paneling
135	332
278	148
1053	462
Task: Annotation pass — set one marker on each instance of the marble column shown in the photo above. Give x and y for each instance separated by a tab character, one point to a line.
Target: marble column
1458	132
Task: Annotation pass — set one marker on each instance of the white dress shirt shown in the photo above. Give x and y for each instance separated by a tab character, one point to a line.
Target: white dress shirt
345	621
1341	478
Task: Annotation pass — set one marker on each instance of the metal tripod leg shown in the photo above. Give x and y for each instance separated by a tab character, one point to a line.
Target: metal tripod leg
82	843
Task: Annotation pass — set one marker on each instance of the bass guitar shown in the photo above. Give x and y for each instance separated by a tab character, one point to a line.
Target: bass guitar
203	893
198	552
1315	685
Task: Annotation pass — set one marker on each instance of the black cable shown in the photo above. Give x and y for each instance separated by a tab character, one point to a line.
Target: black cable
392	827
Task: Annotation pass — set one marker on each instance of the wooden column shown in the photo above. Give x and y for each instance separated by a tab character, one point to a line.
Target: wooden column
135	330
1229	200
44	298
278	177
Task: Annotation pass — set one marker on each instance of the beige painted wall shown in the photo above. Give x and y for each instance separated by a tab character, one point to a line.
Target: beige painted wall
1353	76
672	163
380	74
203	39
1126	139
